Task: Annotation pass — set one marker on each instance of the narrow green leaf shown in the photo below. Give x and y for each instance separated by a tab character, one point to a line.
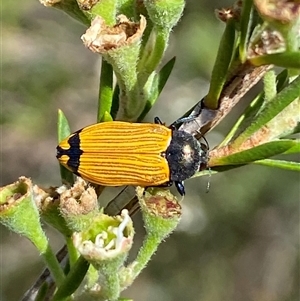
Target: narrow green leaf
115	102
284	59
63	128
295	149
158	85
164	73
246	24
63	131
128	8
72	9
41	295
105	90
255	106
271	109
147	108
106	117
289	165
152	53
245	118
66	176
282	80
256	153
219	73
286	123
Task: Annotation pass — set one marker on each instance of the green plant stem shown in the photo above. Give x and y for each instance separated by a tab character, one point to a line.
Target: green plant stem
53	265
292	43
124	62
73	255
270	89
291	37
131	105
111	286
149	247
72	281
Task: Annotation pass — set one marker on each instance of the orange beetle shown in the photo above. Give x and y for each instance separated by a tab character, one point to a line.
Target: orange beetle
117	153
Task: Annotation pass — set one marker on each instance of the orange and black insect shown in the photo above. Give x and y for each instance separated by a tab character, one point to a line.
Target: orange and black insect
120	153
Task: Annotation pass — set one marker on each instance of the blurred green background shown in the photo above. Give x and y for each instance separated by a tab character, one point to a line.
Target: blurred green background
240	241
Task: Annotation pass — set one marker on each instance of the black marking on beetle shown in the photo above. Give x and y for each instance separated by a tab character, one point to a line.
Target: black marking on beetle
73	152
184	156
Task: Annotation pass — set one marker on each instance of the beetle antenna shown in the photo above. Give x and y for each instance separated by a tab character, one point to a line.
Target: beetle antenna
206	142
208	182
207	149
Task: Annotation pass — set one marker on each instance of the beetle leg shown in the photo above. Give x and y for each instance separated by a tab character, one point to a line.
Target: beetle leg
193	115
180	187
185	119
167	184
157	120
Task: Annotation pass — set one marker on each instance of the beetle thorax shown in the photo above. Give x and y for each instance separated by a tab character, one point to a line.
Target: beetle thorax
184	156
